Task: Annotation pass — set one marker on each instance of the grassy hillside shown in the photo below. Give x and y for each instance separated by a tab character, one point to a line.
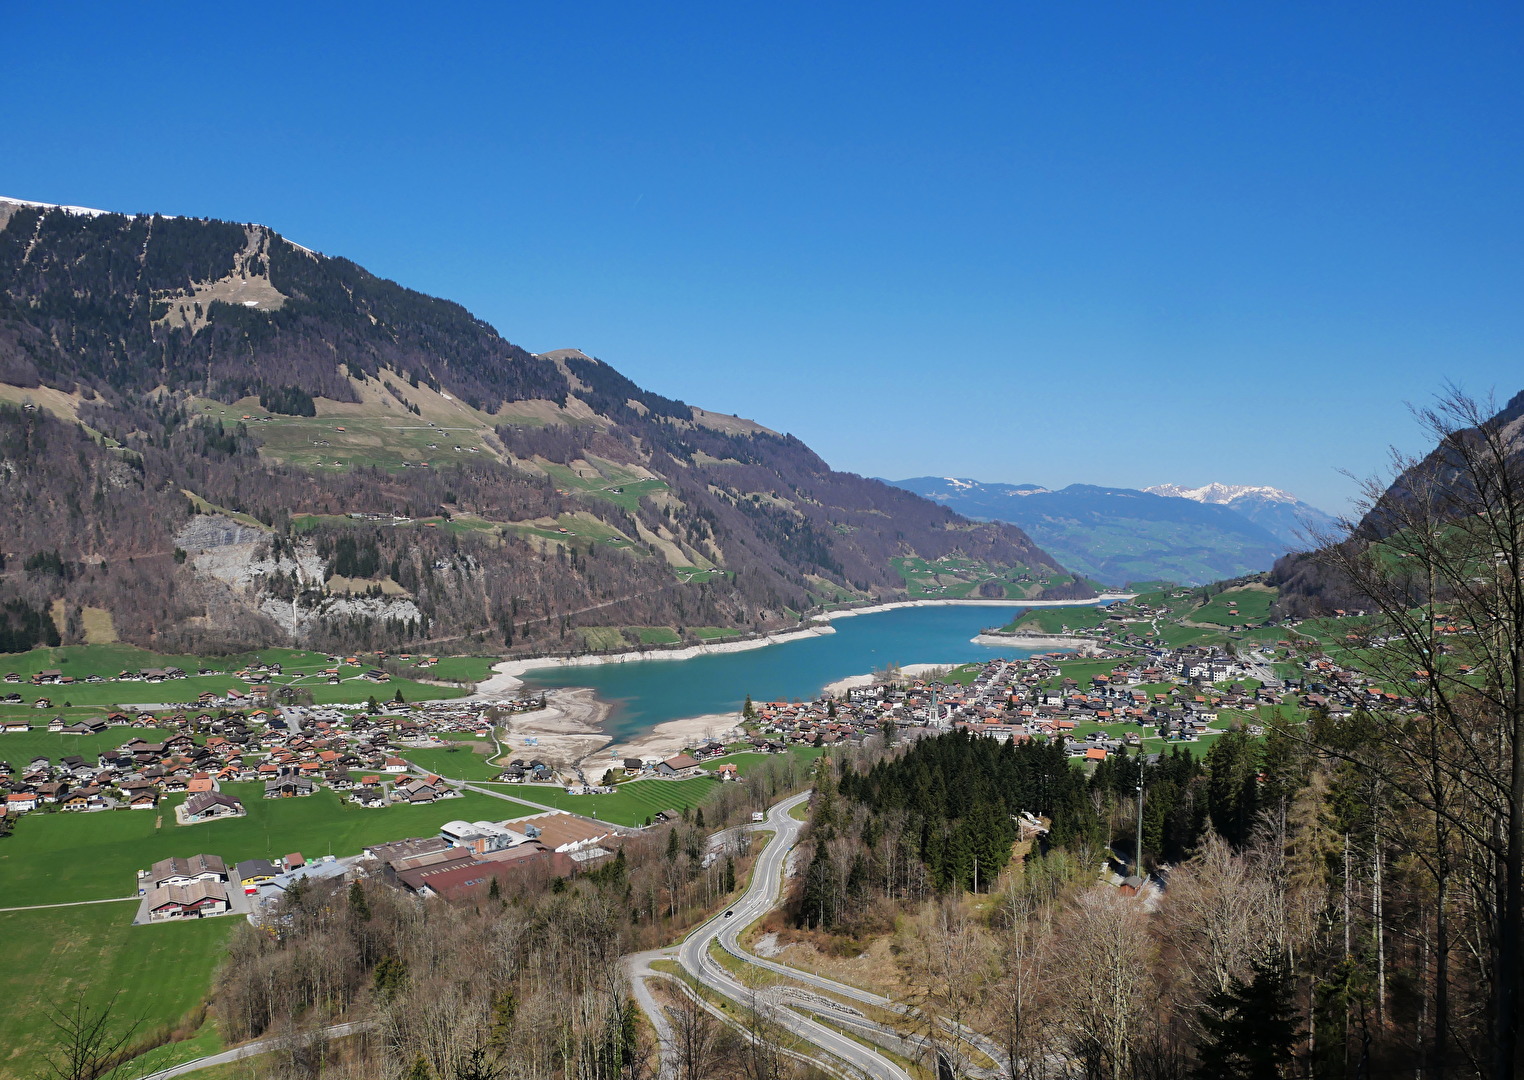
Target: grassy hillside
56	858
55	953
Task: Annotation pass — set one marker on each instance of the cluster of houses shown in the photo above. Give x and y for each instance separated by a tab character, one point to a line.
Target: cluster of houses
202	886
1177	694
293	752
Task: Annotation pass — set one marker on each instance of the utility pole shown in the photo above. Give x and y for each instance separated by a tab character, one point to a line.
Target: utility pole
1137	852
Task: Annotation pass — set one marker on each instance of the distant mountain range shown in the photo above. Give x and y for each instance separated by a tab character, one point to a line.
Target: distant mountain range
1278	512
1117	535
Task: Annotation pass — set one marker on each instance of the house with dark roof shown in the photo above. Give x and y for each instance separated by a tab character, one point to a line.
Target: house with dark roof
209	806
194	901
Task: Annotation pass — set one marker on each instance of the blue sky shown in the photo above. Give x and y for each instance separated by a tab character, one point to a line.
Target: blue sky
1105	243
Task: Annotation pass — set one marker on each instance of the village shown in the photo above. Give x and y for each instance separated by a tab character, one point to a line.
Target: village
1116	698
1124	697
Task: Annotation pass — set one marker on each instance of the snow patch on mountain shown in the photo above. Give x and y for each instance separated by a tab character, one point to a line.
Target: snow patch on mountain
83	210
1223	493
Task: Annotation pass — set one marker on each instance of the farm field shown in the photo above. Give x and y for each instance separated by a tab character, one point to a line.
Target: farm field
630	805
963	674
1056	620
452	762
746	760
1081	671
53	953
107	695
1251	604
959	577
18	749
56	858
471	669
614	483
373	434
82	661
626	637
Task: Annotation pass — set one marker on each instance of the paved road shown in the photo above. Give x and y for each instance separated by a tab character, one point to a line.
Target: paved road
259	1046
72	903
761	897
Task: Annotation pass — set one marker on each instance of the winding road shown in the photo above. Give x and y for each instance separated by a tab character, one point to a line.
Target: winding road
761	896
794	1006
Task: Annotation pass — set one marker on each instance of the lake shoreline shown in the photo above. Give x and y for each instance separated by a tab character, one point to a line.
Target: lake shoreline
506	678
910	671
895	605
507	673
582	739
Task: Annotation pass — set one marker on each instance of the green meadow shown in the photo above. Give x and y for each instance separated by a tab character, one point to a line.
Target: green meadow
56	858
56	953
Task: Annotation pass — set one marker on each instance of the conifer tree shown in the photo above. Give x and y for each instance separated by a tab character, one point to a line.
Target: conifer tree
1251	1027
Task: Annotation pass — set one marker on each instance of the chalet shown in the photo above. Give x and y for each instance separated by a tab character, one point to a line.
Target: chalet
85	727
368	796
681	765
211	805
178	871
84	799
289	787
195	901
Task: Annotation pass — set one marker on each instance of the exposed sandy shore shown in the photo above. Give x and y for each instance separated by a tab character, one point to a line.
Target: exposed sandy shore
568	729
896	605
1037	641
912	671
670	737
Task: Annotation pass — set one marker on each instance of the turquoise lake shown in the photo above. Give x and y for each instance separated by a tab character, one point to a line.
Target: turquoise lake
645	693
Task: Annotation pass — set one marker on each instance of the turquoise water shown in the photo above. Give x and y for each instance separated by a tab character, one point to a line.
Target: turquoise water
645	693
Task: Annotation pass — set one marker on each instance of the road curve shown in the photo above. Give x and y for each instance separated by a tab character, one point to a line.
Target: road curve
762	896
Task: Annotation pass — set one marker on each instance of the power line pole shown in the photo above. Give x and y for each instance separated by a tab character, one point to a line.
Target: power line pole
1137	852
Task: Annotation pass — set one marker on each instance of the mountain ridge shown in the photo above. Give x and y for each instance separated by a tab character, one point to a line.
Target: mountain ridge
164	370
1295	523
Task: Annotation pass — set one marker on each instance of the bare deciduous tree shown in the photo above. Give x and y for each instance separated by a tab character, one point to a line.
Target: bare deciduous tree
88	1040
1439	555
1106	966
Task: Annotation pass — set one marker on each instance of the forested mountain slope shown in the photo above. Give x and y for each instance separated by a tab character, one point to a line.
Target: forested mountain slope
1309	586
216	436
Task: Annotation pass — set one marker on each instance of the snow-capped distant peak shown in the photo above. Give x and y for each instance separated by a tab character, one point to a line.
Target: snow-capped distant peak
961	484
1223	493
